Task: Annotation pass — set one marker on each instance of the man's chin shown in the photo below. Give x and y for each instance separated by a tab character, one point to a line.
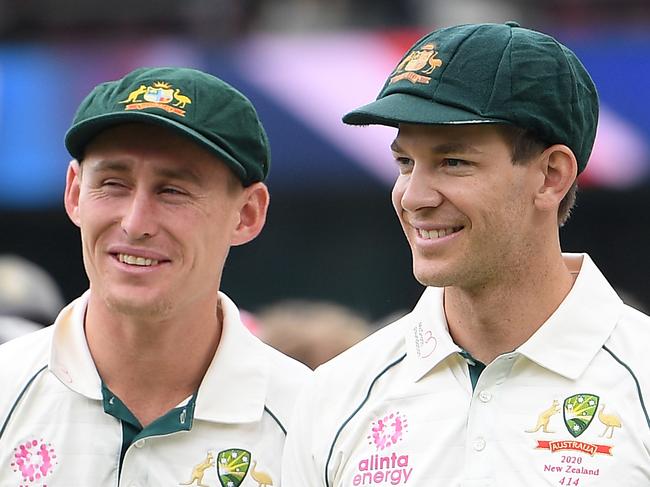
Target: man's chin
431	277
138	308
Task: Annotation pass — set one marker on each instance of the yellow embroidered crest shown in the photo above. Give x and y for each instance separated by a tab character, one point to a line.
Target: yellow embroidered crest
158	95
416	65
199	470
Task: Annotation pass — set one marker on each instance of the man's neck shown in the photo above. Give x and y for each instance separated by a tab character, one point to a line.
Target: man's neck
152	365
499	317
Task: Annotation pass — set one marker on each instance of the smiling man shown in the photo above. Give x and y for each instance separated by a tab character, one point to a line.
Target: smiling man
150	378
520	365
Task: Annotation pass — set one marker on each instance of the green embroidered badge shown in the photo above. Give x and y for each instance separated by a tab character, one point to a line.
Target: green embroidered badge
579	411
232	465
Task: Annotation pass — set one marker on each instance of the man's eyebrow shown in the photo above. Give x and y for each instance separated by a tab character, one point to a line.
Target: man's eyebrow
454	147
444	148
109	165
181	174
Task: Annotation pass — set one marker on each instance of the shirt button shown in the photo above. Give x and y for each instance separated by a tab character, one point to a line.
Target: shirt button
140	443
485	396
479	444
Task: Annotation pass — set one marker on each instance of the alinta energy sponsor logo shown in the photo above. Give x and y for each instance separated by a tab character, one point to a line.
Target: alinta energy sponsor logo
385	468
391	469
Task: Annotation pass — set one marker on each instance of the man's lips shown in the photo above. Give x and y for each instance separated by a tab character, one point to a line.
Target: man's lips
134	260
138	257
436	233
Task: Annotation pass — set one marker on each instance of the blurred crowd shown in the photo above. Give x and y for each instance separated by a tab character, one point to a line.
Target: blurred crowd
29	297
225	19
311	331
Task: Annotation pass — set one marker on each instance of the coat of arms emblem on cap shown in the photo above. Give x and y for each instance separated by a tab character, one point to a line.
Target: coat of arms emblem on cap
423	61
158	95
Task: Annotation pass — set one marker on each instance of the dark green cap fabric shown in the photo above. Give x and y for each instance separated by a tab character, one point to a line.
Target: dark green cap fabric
195	104
491	73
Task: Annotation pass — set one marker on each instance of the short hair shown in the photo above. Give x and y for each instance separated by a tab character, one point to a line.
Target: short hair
525	145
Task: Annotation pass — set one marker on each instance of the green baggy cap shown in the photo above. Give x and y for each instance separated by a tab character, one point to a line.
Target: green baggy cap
491	73
195	104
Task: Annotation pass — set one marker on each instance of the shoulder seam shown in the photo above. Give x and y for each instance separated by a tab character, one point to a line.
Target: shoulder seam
365	399
11	411
636	381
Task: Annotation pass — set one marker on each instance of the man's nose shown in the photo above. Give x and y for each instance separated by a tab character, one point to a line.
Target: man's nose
139	219
421	190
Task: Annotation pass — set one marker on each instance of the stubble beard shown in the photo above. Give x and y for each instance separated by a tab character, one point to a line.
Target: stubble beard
151	310
471	271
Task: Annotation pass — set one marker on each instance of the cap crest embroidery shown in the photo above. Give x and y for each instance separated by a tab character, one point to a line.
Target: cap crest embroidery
423	60
158	95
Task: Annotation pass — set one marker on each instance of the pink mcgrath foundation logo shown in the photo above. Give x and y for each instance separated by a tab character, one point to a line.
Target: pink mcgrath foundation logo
34	460
387	431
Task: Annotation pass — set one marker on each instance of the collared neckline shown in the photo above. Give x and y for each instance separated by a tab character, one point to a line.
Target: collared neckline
428	341
70	358
565	344
234	387
569	340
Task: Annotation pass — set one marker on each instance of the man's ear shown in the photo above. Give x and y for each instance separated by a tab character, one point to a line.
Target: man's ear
252	213
560	170
72	189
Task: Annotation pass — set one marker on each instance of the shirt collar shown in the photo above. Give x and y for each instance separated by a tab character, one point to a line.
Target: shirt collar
233	389
70	359
566	343
428	341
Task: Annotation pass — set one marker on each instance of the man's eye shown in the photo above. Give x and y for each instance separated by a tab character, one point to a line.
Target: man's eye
112	183
404	164
454	162
403	161
171	191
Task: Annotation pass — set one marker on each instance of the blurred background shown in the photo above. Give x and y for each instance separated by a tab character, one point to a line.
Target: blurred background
331	233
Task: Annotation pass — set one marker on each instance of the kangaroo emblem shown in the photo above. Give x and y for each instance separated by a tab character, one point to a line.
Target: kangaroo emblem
133	96
544	418
199	470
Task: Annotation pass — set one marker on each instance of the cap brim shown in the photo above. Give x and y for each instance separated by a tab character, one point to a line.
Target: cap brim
399	108
80	134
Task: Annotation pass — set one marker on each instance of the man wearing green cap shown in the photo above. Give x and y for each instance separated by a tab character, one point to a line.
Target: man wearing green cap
150	378
520	365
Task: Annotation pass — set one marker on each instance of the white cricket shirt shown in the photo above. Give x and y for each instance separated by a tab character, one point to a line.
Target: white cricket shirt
566	408
60	425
